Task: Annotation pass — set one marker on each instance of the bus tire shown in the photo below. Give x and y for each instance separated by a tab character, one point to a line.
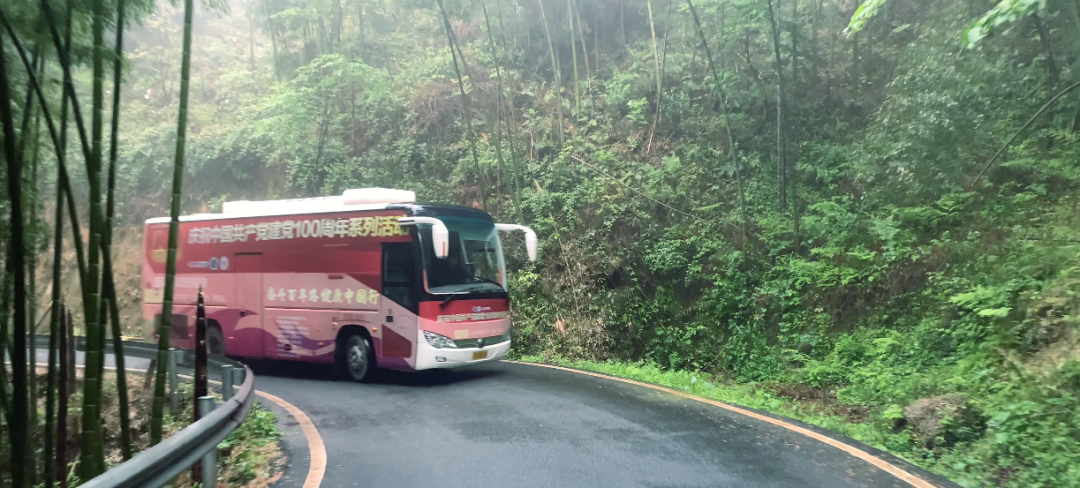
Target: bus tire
215	341
357	358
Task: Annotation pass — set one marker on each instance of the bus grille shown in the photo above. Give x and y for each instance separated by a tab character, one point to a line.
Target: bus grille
488	341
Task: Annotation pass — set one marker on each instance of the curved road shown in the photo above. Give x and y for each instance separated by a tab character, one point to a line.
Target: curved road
514	425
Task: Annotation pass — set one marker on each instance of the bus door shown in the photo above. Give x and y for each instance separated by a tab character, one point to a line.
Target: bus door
246	337
399	304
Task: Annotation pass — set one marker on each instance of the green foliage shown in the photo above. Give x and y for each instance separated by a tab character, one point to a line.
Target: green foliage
1004	13
893	277
245	456
866	11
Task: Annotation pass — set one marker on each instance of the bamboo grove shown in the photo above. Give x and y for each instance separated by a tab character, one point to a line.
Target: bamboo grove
43	47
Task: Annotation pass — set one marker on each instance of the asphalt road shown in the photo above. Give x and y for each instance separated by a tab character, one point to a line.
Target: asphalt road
514	425
511	425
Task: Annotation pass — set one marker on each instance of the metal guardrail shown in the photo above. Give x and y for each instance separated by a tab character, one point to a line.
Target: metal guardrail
157	466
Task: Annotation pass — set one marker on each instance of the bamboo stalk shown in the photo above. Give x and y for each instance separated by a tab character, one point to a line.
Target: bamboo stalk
557	74
55	325
65	181
31	342
585	53
64	389
727	121
57	337
29	135
661	62
158	413
65	64
515	161
106	241
201	384
498	106
59	143
201	388
19	401
781	127
573	52
92	453
5	308
464	104
656	72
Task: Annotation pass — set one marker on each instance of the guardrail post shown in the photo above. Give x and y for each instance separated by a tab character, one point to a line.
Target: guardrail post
238	379
175	356
226	382
174	395
209	460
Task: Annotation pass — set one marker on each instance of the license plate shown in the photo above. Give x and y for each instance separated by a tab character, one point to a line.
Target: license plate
479	355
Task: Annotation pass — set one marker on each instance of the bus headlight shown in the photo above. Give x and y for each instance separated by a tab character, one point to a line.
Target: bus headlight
439	341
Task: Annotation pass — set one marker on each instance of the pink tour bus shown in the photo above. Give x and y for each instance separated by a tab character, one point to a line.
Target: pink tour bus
363	280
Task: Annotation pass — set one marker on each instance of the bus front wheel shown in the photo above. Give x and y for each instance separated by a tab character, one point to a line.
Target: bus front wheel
215	342
357	359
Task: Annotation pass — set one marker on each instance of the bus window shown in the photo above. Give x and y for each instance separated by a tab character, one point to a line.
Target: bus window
399	271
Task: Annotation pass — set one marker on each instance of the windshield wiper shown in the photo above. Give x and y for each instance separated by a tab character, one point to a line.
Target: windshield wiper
450	298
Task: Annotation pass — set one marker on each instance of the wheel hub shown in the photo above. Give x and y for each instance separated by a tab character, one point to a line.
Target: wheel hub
356	357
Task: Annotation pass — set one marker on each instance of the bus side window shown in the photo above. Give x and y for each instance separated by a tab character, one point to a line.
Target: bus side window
399	271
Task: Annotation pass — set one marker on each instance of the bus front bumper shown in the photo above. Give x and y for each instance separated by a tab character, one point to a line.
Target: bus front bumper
428	357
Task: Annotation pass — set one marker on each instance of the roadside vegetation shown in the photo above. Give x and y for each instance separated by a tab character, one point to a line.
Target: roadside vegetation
863	214
249	457
53	57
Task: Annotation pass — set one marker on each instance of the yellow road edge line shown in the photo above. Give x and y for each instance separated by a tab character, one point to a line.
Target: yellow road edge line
873	460
316	448
317	464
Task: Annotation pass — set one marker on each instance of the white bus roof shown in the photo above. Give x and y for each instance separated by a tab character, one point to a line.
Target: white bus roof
350	201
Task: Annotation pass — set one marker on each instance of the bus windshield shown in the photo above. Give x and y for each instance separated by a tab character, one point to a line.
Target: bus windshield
474	263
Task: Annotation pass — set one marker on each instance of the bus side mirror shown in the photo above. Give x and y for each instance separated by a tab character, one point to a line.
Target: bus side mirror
440	236
531	244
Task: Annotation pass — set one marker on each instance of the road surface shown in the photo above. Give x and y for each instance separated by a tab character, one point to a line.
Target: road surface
515	425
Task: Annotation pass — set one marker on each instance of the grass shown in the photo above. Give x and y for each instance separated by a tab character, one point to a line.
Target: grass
249	457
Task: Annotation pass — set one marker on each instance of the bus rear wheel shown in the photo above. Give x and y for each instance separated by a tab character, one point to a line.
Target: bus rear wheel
356	361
